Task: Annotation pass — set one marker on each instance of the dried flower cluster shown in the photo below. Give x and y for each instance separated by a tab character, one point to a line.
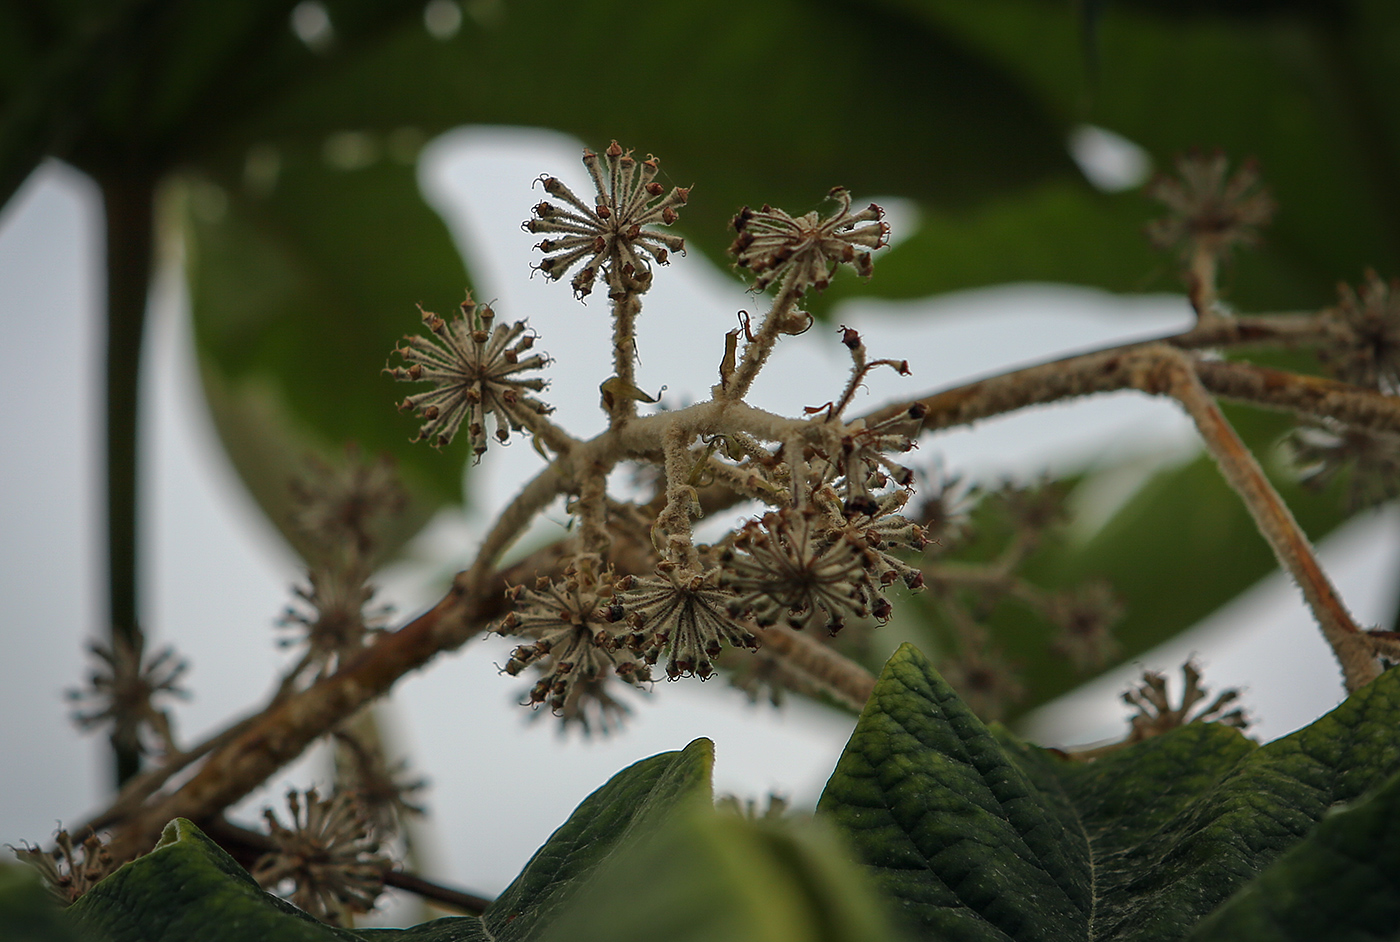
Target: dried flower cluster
70	869
612	237
1211	210
797	252
123	691
1363	329
1155	714
340	511
474	366
328	856
833	547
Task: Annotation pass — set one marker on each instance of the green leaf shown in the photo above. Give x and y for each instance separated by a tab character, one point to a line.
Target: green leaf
716	877
982	837
189	888
1341	882
952	827
631	804
919	115
301	285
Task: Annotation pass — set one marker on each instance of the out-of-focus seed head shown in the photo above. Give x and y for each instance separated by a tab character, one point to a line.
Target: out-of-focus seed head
1208	208
328	856
1363	335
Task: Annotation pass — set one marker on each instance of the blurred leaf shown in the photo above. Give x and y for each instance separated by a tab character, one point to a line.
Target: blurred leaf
715	877
742	101
28	912
1178	550
1304	87
634	802
188	887
980	836
301	285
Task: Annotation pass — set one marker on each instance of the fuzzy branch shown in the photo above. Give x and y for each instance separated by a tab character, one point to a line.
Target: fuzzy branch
286	727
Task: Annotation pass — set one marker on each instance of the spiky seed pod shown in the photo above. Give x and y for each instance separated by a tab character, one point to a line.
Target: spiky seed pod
801	252
346	504
609	237
984	680
123	690
338	619
1156	715
1367	459
70	869
576	642
862	460
1208	208
329	854
475	369
1363	329
783	568
684	615
882	532
1085	617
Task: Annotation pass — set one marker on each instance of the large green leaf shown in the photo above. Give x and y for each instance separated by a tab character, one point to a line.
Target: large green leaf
716	877
302	282
632	803
1341	882
979	836
919	116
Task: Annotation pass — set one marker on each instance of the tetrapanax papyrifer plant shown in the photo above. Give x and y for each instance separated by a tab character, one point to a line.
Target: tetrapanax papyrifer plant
845	531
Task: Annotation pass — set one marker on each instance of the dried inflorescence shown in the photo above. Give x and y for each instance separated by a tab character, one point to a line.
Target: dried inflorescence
834	546
70	869
343	507
1156	715
1086	616
385	791
578	644
338	620
801	252
1368	460
987	683
474	365
685	616
329	856
611	237
784	568
1363	335
1211	210
123	690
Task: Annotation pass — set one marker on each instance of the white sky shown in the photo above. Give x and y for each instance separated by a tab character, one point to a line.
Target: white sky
217	576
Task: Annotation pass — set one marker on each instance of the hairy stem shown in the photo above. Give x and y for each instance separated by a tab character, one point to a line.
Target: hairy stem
1275	522
757	351
844	679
